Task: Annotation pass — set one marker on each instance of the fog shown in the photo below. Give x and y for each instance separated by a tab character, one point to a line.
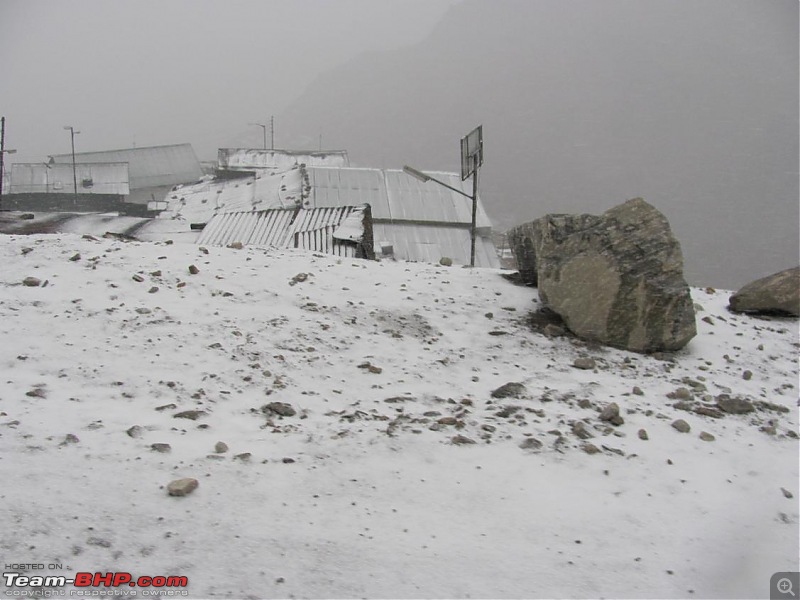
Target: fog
585	103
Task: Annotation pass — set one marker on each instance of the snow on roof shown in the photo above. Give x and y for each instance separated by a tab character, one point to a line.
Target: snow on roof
248	158
148	166
199	202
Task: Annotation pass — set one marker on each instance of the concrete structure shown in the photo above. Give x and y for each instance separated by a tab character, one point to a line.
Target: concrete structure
237	159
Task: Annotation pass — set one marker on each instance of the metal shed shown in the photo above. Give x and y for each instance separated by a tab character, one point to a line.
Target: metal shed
247	158
148	167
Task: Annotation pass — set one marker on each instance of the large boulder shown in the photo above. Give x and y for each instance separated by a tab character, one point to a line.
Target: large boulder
616	278
777	294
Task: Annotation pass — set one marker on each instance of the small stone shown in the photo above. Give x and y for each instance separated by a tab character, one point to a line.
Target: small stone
299	278
590	448
460	440
708	320
734	406
447	421
530	443
681	393
164	407
138	278
75	257
182	487
26	251
71	438
220	447
234	245
152	290
37	393
579	429
551	330
446	261
637	391
32	282
159	447
747	375
27	216
609	412
203	249
643	435
244	456
584	362
709	411
787	493
681	426
135	431
192	415
156	273
143	310
509	390
706	437
585	403
282	409
193	270
488	428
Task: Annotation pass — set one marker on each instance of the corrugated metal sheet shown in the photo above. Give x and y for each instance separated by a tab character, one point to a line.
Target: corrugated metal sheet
200	201
422	221
395	195
309	229
148	167
96	178
430	243
247	158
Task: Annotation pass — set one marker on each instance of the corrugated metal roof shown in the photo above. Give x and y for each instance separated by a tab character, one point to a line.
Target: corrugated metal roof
430	243
200	201
310	229
248	158
92	178
395	195
421	221
148	167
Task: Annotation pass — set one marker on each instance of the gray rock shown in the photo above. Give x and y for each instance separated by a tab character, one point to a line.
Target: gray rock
460	440
681	426
510	390
135	431
282	409
32	282
192	415
590	448
610	413
776	294
643	435
530	443
446	261
615	278
193	270
584	362
706	437
220	447
734	406
579	429
637	391
159	447
182	487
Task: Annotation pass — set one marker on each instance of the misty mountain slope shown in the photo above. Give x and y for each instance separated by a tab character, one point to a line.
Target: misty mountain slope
353	435
586	104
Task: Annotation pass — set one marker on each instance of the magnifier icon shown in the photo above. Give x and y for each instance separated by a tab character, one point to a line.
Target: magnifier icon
785	587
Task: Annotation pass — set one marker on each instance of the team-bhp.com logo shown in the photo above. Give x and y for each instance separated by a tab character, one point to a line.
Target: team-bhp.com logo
94	584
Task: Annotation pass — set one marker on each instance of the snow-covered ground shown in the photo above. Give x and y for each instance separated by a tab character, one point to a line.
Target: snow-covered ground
372	489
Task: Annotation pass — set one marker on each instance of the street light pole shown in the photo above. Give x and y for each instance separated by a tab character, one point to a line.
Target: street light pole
424	178
74	172
264	128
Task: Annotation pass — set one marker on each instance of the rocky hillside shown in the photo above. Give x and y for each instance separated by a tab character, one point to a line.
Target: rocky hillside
378	429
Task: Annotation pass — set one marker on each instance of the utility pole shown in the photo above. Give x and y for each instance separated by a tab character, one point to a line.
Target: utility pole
74	172
3	153
272	132
263	130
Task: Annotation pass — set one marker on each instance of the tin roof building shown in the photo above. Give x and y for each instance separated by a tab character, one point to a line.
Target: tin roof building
153	170
91	178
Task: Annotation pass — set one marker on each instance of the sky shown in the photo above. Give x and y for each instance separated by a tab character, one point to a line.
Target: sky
363	492
150	72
